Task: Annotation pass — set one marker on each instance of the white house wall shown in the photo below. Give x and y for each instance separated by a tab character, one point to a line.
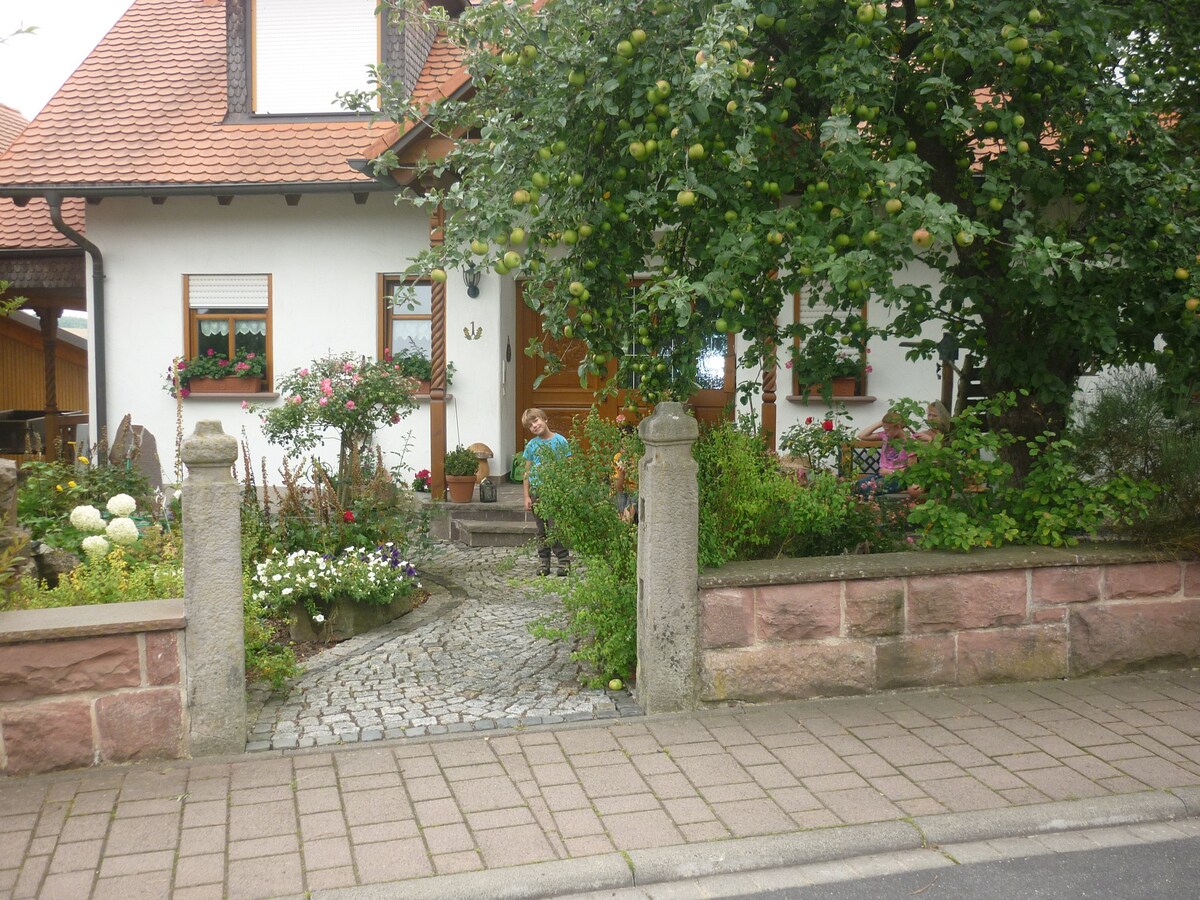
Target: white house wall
892	376
324	257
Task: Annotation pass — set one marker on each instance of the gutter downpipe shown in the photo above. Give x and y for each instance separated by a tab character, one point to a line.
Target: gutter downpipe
54	201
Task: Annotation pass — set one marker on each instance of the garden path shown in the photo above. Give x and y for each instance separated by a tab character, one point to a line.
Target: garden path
462	662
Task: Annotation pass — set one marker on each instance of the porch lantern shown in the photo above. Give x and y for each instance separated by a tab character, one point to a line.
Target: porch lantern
487	491
471	276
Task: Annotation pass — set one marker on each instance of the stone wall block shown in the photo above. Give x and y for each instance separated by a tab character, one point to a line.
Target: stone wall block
1191	579
144	724
1142	580
920	661
1032	653
43	737
64	667
1049	614
1066	584
874	607
162	657
1121	637
965	601
727	617
787	671
798	612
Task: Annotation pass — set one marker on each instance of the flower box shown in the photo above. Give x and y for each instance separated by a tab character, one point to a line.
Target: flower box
231	385
842	385
346	618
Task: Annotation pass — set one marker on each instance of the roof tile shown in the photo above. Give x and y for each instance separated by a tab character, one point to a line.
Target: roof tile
147	108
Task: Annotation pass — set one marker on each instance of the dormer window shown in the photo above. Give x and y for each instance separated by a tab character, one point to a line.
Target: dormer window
307	51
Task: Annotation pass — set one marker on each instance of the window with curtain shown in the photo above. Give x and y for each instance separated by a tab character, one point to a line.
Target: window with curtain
406	325
229	315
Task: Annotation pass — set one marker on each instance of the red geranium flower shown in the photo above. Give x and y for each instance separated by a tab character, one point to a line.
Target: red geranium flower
827	425
348	516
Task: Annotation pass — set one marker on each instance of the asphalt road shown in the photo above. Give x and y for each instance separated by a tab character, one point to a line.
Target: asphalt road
1166	870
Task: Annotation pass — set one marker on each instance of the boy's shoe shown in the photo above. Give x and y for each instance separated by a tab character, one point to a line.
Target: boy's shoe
544	570
563	572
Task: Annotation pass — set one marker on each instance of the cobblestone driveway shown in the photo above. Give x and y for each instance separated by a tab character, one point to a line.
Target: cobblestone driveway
464	661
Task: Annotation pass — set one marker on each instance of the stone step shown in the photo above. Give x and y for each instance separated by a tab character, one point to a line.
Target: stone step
484	533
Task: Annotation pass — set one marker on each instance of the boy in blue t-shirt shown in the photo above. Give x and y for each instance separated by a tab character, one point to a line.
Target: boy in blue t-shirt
543	441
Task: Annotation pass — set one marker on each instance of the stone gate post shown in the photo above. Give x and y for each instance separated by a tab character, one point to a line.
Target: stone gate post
668	616
212	593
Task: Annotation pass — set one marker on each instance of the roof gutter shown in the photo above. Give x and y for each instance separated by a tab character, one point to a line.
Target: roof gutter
54	201
279	188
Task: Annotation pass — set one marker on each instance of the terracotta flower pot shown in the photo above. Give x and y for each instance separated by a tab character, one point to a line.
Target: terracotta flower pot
231	385
461	487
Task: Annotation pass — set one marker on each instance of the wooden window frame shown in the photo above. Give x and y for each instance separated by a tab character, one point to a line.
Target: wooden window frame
387	314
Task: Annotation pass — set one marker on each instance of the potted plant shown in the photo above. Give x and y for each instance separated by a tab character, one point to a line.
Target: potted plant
813	372
214	372
461	468
416	364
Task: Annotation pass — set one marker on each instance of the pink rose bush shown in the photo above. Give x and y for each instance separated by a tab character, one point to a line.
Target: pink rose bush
340	395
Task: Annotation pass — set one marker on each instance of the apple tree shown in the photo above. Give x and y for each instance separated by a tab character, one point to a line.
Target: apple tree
745	151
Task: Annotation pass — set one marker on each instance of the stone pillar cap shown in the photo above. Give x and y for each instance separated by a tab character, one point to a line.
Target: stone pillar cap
209	445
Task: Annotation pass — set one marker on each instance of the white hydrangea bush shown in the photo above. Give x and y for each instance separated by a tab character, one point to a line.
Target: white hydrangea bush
87	518
95	546
122	505
122	531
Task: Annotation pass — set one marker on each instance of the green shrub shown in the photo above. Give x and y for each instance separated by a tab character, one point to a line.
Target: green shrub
118	576
48	491
749	509
600	604
1131	426
972	498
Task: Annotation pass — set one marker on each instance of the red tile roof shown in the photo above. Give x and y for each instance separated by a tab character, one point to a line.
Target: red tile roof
29	227
12	123
146	109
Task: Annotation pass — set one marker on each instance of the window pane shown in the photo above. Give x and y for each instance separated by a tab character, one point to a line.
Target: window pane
710	367
419	295
250	336
212	339
412	334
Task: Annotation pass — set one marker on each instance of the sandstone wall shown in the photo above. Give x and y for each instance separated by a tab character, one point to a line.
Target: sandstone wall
85	685
774	632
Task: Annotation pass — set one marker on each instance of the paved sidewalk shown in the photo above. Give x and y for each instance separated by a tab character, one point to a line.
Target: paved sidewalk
607	805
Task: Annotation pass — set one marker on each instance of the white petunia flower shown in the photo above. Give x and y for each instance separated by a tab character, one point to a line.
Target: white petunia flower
122	505
122	531
285	592
95	545
319	619
87	518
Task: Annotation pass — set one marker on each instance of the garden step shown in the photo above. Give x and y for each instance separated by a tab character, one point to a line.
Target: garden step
477	533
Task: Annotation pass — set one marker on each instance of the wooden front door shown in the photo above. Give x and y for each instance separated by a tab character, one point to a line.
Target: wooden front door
564	399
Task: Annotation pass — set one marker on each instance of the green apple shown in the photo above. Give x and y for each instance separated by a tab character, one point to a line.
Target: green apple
922	238
615	684
438	276
893	206
685	198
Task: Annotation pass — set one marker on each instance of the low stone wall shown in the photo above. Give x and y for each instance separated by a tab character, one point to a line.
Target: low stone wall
786	629
85	685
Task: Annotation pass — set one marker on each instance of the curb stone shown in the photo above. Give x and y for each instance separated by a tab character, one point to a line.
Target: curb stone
638	868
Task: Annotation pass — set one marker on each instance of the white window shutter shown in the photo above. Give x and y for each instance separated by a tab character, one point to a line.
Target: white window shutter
307	51
229	291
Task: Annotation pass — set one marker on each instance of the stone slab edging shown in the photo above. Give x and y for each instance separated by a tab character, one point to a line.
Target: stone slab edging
934	562
639	868
65	622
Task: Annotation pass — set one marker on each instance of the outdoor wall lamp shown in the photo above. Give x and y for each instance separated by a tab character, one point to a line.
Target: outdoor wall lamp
471	279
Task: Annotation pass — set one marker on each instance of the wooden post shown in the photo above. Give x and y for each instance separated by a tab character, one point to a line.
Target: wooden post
768	400
48	317
437	381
